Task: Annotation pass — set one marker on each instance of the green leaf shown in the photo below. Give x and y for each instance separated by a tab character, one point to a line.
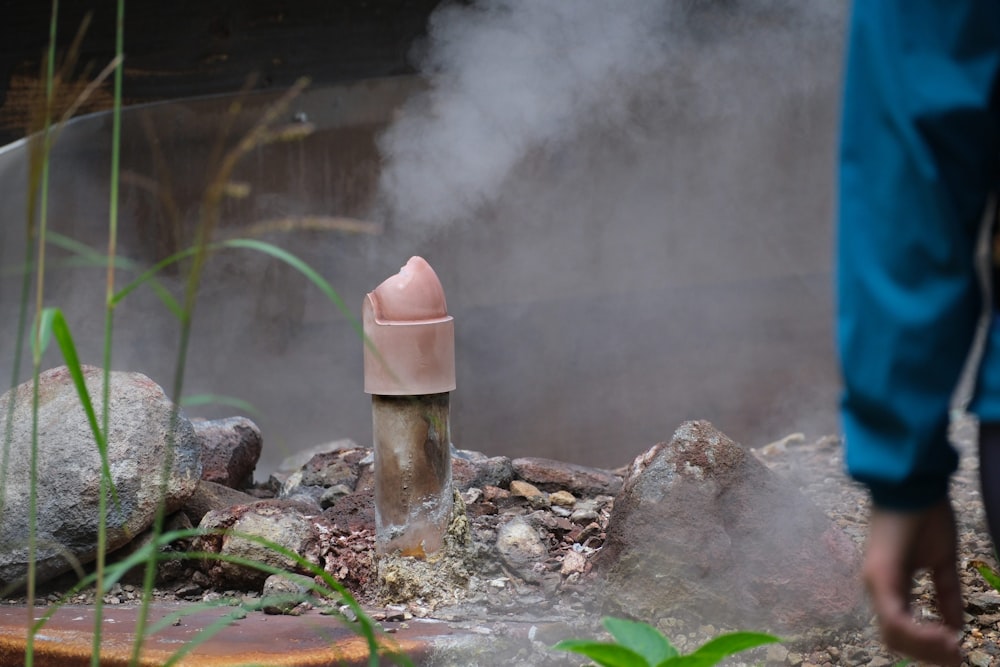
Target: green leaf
642	638
40	343
988	573
150	273
604	654
219	399
52	319
723	646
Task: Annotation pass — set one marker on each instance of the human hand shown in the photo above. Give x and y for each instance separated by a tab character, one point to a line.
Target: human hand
900	544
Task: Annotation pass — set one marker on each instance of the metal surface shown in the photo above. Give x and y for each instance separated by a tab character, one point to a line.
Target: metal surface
257	639
413	496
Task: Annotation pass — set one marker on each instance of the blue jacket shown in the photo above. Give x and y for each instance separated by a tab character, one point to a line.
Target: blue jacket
920	142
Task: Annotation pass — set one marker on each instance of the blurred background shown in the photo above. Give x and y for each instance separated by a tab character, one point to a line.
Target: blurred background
629	205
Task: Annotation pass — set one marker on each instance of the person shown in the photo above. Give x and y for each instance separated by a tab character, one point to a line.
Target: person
918	163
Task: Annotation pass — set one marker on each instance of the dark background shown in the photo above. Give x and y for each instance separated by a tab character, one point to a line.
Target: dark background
196	47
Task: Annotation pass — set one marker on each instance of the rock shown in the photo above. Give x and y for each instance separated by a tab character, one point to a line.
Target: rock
69	468
979	658
981	603
290	525
776	653
283	592
493	494
332	495
230	449
524	490
355	511
728	540
209	496
339	469
295	461
166	569
480	471
519	544
549	475
562	498
573	561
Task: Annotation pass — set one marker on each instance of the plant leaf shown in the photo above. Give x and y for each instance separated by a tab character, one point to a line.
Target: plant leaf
52	318
642	638
220	399
723	646
987	573
604	654
40	343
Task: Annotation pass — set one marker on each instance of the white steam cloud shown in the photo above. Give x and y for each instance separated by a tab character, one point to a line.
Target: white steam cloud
507	77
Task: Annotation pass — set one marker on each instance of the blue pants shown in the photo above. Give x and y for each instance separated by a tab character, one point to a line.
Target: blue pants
919	157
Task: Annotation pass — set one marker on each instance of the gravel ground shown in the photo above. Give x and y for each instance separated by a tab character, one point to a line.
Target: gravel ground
817	467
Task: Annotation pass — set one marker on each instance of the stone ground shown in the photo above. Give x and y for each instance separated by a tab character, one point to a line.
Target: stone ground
556	596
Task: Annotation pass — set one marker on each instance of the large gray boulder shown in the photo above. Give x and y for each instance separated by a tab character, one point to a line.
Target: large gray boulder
142	441
703	529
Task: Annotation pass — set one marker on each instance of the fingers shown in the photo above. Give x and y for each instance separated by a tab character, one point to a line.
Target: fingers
935	643
898	545
949	596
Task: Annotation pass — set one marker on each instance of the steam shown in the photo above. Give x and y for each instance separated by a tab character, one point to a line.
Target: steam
665	157
506	77
627	202
511	77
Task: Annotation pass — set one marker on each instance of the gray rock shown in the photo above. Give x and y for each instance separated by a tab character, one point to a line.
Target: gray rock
230	449
520	547
479	470
143	440
283	592
293	526
333	494
341	467
979	658
295	461
549	475
702	528
209	496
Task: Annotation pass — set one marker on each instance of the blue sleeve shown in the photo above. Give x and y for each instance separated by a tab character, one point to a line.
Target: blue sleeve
918	158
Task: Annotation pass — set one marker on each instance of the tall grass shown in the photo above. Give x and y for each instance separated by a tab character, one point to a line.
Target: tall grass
49	323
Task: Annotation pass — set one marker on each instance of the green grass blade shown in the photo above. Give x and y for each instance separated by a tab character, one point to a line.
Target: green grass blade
150	273
314	277
85	256
52	319
604	654
247	244
723	646
987	573
40	342
642	638
205	634
220	399
365	625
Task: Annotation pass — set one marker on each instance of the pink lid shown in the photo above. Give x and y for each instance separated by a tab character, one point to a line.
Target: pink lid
407	323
